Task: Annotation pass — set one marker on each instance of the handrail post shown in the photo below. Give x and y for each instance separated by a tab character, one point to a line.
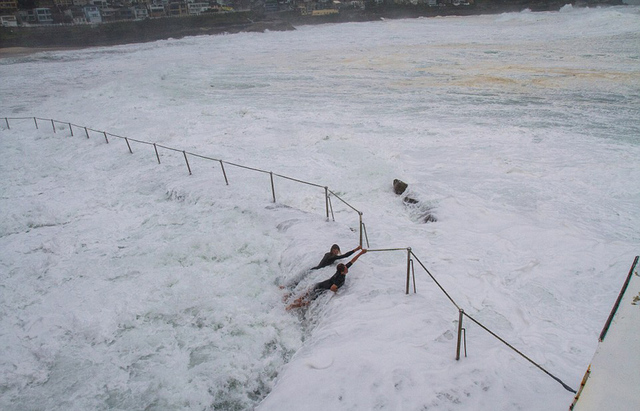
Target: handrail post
187	161
326	200
34	120
128	145
333	216
366	237
461	313
157	155
53	125
408	268
105	137
71	129
6	119
360	216
224	173
86	132
413	275
273	188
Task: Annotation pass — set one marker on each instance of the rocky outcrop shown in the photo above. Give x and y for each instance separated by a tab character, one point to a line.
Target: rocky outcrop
418	210
399	186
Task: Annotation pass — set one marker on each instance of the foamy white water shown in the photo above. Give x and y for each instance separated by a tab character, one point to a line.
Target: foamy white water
131	285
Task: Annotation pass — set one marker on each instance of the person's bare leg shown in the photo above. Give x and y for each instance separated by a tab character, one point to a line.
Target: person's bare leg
298	302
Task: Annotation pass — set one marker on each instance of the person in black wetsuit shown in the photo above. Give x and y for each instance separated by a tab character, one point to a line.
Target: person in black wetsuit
329	258
333	284
333	255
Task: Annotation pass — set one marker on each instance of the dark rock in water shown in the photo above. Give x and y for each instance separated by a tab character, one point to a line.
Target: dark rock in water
399	186
422	213
419	211
429	218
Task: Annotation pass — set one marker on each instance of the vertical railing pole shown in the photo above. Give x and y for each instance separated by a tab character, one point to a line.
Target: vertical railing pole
71	129
86	132
53	125
326	200
273	187
187	161
333	217
360	217
6	120
408	268
413	275
128	145
224	173
157	155
366	237
105	137
35	121
461	313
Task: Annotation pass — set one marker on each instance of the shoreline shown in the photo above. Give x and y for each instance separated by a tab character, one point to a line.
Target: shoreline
8	52
132	32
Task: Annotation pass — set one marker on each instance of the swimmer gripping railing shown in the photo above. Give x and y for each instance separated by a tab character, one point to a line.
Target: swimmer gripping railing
328	208
128	140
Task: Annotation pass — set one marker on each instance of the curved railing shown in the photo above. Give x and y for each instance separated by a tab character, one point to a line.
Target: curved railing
128	140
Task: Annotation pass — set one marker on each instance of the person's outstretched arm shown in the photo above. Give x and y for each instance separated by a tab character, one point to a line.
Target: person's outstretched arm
353	260
348	253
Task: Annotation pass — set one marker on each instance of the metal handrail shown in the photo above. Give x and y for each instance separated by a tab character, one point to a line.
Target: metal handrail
349	205
462	330
184	152
436	281
410	253
566	387
605	329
